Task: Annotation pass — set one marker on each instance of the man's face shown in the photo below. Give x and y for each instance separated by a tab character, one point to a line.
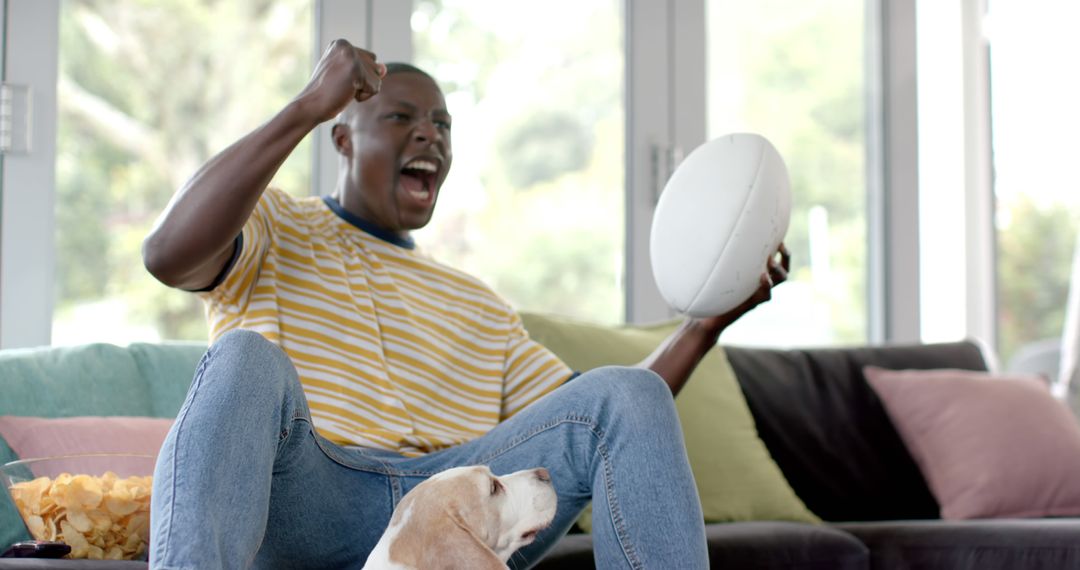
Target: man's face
397	148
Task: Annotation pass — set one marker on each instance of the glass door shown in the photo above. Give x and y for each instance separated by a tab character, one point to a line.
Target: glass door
1035	119
794	72
534	202
147	91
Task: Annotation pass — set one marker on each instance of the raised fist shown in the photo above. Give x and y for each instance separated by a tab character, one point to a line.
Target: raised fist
344	73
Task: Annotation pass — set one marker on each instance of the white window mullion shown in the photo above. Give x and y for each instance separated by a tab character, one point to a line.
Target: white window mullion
978	168
900	192
27	259
956	197
334	19
381	26
390	29
665	110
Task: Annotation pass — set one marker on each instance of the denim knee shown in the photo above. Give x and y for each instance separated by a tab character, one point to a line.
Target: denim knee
627	383
250	367
630	392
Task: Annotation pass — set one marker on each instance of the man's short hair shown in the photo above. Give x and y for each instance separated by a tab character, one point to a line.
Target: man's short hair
391	68
402	67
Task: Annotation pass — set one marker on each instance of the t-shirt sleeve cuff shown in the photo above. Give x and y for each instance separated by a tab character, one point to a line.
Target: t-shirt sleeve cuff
228	266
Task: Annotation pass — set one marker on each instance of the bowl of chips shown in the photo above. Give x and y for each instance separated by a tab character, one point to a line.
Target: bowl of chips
97	503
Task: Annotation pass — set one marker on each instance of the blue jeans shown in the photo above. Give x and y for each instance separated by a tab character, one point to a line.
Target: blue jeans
244	480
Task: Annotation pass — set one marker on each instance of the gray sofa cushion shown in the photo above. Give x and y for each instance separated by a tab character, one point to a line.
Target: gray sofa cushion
830	435
1002	544
62	564
759	545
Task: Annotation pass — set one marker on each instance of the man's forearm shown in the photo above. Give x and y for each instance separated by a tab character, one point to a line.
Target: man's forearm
192	239
677	358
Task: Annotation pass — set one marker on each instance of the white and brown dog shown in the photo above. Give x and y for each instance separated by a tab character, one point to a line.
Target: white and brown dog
466	518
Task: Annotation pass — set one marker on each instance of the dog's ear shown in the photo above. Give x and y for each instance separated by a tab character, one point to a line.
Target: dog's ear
467	548
435	538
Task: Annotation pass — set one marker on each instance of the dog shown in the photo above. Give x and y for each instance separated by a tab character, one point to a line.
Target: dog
466	518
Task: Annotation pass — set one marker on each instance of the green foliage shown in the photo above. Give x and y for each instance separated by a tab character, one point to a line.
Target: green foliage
543	146
546	227
148	91
803	88
1035	252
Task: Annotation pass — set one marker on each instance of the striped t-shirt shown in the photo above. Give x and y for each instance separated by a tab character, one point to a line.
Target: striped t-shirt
395	350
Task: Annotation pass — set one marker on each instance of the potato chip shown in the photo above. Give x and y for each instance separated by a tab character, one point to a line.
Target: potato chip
102	517
80	520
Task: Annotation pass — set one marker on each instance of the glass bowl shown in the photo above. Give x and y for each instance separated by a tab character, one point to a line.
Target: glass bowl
96	503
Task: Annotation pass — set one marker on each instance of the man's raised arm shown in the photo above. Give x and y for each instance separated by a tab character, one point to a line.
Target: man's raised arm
194	237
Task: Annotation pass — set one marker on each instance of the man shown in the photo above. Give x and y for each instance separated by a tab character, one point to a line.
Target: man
373	367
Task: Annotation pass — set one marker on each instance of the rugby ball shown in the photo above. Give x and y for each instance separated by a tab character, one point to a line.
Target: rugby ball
723	212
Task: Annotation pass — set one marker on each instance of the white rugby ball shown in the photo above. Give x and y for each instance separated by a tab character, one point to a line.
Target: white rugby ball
723	212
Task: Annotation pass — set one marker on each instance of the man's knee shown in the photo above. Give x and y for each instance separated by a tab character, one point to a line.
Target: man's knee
243	356
628	380
247	347
628	389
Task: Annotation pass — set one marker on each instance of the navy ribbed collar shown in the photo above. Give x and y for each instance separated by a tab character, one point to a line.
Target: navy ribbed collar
368	227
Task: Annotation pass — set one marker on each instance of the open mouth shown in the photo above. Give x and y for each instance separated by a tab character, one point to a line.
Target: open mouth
418	179
530	535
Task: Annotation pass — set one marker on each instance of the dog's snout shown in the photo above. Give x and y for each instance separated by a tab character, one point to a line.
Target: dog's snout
543	475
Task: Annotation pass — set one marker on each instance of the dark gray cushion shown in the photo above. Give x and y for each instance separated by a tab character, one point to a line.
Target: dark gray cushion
62	564
760	545
1004	544
828	432
784	546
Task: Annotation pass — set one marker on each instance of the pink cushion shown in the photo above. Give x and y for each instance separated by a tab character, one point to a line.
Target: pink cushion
42	437
988	446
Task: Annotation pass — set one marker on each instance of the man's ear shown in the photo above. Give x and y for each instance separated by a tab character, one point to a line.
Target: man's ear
341	134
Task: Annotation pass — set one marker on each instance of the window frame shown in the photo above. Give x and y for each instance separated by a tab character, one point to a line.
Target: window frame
664	37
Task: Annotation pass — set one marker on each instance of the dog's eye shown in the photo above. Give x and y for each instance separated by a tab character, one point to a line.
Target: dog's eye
496	486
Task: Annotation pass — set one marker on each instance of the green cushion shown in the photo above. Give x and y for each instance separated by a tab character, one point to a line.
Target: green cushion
168	369
11	527
68	381
736	478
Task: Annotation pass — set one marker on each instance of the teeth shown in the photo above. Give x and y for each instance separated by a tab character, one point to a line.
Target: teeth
422	164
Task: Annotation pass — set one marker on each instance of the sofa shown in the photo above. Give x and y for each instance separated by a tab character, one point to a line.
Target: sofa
798	461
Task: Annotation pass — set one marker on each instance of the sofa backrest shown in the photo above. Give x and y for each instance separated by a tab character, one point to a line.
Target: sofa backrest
96	379
830	435
90	380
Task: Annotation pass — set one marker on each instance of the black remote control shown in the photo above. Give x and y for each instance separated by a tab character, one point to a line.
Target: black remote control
37	549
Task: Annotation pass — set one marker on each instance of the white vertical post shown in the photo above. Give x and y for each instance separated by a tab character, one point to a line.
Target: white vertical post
665	118
942	196
346	19
900	159
978	170
381	26
391	30
956	194
689	123
29	179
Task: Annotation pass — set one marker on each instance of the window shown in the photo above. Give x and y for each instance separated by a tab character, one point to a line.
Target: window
558	124
794	72
1035	120
534	202
147	92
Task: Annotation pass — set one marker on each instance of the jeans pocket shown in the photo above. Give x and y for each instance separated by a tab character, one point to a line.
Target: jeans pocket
356	458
